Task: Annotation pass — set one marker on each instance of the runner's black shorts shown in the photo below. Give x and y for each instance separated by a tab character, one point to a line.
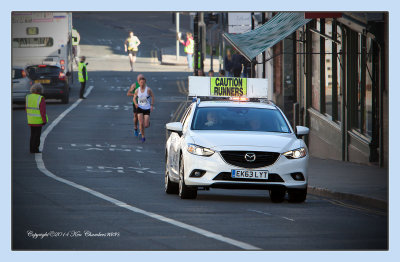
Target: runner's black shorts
134	109
132	52
143	111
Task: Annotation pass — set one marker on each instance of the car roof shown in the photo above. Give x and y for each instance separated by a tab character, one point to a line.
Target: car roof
237	104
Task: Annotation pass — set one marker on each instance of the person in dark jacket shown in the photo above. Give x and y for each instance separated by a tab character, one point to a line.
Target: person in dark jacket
228	63
237	64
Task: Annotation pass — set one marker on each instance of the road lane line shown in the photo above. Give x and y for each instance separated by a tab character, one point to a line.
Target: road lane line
269	214
41	166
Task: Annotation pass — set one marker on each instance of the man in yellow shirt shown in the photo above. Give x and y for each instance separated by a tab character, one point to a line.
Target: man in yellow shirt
131	46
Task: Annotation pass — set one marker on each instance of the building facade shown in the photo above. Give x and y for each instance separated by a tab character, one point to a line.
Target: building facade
331	75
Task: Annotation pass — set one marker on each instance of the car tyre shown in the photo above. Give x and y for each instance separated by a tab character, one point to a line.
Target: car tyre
170	187
65	98
297	195
277	195
185	192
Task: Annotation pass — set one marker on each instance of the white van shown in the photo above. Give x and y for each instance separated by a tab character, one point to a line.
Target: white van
42	38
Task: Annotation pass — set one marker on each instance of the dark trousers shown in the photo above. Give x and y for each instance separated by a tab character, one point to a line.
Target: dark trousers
35	138
83	84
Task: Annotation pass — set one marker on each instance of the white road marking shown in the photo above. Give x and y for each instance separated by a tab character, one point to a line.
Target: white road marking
41	166
269	214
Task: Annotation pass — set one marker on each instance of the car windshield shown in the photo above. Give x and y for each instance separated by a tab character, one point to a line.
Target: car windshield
37	71
239	119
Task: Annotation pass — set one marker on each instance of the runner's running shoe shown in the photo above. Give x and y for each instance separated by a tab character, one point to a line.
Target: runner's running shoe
136	132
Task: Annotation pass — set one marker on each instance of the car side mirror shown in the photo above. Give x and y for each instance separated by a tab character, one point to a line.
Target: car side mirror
175	127
302	131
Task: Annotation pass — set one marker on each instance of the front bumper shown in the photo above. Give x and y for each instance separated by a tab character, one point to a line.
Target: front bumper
217	173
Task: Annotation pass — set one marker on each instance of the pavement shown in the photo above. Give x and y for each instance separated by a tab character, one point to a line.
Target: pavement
365	185
168	56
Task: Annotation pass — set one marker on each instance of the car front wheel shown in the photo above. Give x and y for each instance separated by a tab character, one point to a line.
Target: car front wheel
185	192
297	195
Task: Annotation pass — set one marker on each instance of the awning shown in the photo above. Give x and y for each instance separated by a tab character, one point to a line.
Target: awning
252	43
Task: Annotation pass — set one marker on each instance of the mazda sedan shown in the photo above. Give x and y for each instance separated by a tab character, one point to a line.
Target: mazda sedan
236	145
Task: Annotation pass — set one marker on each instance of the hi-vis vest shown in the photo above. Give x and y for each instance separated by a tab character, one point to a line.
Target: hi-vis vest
133	43
33	109
80	73
190	47
74	37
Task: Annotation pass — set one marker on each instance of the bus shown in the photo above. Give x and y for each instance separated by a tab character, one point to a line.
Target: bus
43	38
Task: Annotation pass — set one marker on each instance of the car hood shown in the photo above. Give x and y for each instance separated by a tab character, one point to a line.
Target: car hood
243	140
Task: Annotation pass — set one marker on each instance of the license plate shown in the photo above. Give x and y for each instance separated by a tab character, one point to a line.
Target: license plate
43	81
251	174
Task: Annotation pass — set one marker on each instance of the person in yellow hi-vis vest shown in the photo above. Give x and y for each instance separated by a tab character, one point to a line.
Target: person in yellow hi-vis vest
35	107
189	48
83	76
131	46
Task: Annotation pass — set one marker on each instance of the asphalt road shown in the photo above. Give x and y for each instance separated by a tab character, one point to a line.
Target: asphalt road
100	188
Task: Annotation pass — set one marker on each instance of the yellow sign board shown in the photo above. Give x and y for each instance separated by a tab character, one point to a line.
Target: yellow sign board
228	86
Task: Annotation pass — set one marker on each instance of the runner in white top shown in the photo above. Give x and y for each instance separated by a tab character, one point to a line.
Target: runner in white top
144	105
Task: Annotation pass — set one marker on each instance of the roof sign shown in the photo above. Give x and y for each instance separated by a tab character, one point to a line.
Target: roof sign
227	87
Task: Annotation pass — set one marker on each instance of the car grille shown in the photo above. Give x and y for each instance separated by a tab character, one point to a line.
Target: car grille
226	176
237	158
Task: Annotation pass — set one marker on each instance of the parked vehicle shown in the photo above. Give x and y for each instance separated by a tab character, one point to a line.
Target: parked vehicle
43	37
20	84
53	79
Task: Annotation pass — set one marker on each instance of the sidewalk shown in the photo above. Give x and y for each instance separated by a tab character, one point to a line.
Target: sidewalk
361	184
168	57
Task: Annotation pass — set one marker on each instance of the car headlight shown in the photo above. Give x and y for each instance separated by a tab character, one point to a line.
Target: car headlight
296	153
199	150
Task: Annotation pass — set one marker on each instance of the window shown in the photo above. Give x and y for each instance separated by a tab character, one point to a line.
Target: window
338	76
365	63
32	42
328	68
316	70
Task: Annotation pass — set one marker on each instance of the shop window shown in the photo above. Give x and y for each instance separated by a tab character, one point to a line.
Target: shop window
328	69
339	72
316	67
363	117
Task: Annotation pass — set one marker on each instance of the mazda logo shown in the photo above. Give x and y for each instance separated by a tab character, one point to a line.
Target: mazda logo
250	157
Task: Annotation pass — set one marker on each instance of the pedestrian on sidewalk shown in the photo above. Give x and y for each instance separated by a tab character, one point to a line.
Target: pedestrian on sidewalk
131	46
35	106
143	105
211	73
131	92
83	76
228	63
237	64
189	48
222	73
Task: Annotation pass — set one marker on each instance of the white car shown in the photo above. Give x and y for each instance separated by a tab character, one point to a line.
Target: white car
236	145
